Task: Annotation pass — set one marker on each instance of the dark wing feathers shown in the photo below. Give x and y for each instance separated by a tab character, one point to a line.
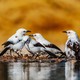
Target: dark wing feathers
38	45
69	44
53	46
7	43
74	46
4	51
51	54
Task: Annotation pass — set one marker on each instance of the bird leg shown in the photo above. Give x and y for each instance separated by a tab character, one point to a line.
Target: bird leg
17	53
36	55
11	52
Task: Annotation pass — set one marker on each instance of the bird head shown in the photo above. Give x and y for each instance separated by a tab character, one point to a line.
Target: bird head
36	36
22	31
70	33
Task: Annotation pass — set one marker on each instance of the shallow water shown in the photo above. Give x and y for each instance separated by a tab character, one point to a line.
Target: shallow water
40	71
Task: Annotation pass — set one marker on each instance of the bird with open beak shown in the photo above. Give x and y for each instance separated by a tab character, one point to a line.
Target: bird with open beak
14	39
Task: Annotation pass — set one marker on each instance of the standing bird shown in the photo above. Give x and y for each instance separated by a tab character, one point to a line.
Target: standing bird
53	49
35	47
15	38
15	47
72	46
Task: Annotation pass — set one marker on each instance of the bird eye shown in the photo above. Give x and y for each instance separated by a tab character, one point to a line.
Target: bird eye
69	32
15	36
24	31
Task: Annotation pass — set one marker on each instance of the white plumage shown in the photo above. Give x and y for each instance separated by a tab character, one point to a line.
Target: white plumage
15	41
16	47
48	45
72	46
33	46
15	38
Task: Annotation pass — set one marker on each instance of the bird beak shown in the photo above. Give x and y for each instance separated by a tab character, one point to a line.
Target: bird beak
31	35
64	31
28	31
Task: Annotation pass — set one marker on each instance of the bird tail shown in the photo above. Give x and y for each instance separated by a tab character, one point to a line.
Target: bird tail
5	49
51	54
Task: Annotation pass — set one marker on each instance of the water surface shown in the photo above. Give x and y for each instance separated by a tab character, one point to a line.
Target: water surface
69	70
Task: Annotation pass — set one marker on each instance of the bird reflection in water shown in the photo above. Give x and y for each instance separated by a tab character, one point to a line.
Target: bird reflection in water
27	71
69	70
72	70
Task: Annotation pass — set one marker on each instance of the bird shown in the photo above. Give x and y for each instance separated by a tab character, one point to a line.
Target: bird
15	47
53	49
35	48
72	45
15	38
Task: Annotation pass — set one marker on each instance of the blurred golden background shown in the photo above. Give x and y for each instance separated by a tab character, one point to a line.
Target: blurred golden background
49	17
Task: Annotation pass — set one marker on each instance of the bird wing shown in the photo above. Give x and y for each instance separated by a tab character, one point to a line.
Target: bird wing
5	49
51	54
76	46
73	46
52	46
7	43
69	44
38	45
28	40
11	40
15	38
